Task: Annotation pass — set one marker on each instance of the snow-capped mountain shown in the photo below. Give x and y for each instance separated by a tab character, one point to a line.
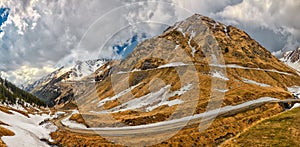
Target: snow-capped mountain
292	59
80	70
53	86
85	68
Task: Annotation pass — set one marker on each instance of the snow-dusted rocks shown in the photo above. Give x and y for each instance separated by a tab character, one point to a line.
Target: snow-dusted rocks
292	59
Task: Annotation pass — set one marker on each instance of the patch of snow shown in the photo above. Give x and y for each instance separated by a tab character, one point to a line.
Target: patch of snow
226	31
180	30
72	124
297	105
291	58
193	34
115	97
142	101
18	107
254	82
173	64
86	68
27	131
295	90
169	103
220	76
294	65
181	91
222	90
57	115
213	24
62	71
134	70
241	67
151	101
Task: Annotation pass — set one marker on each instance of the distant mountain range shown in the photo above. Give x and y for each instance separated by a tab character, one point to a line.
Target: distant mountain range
50	87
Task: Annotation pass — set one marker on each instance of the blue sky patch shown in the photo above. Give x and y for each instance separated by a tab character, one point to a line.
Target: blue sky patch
4	13
126	48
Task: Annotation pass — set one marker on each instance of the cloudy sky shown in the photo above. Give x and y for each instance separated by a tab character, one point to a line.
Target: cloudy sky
40	35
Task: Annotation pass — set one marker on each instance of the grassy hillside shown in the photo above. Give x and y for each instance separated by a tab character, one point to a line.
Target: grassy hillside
280	130
10	93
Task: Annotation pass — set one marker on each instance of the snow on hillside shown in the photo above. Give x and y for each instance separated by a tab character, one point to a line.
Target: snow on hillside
173	64
255	83
220	76
295	90
294	65
148	102
85	68
292	59
28	130
72	124
242	67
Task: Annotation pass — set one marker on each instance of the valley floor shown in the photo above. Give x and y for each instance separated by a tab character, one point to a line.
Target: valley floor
282	129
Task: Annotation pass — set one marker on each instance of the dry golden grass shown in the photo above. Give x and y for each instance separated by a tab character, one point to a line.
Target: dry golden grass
2	144
280	130
77	118
5	132
223	128
8	109
5	110
70	139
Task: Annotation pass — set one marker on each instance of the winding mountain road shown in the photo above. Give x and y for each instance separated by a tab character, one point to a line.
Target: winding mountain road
172	125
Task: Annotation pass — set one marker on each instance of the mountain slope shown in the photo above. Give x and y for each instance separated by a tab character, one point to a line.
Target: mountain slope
196	65
56	88
280	130
11	94
292	59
